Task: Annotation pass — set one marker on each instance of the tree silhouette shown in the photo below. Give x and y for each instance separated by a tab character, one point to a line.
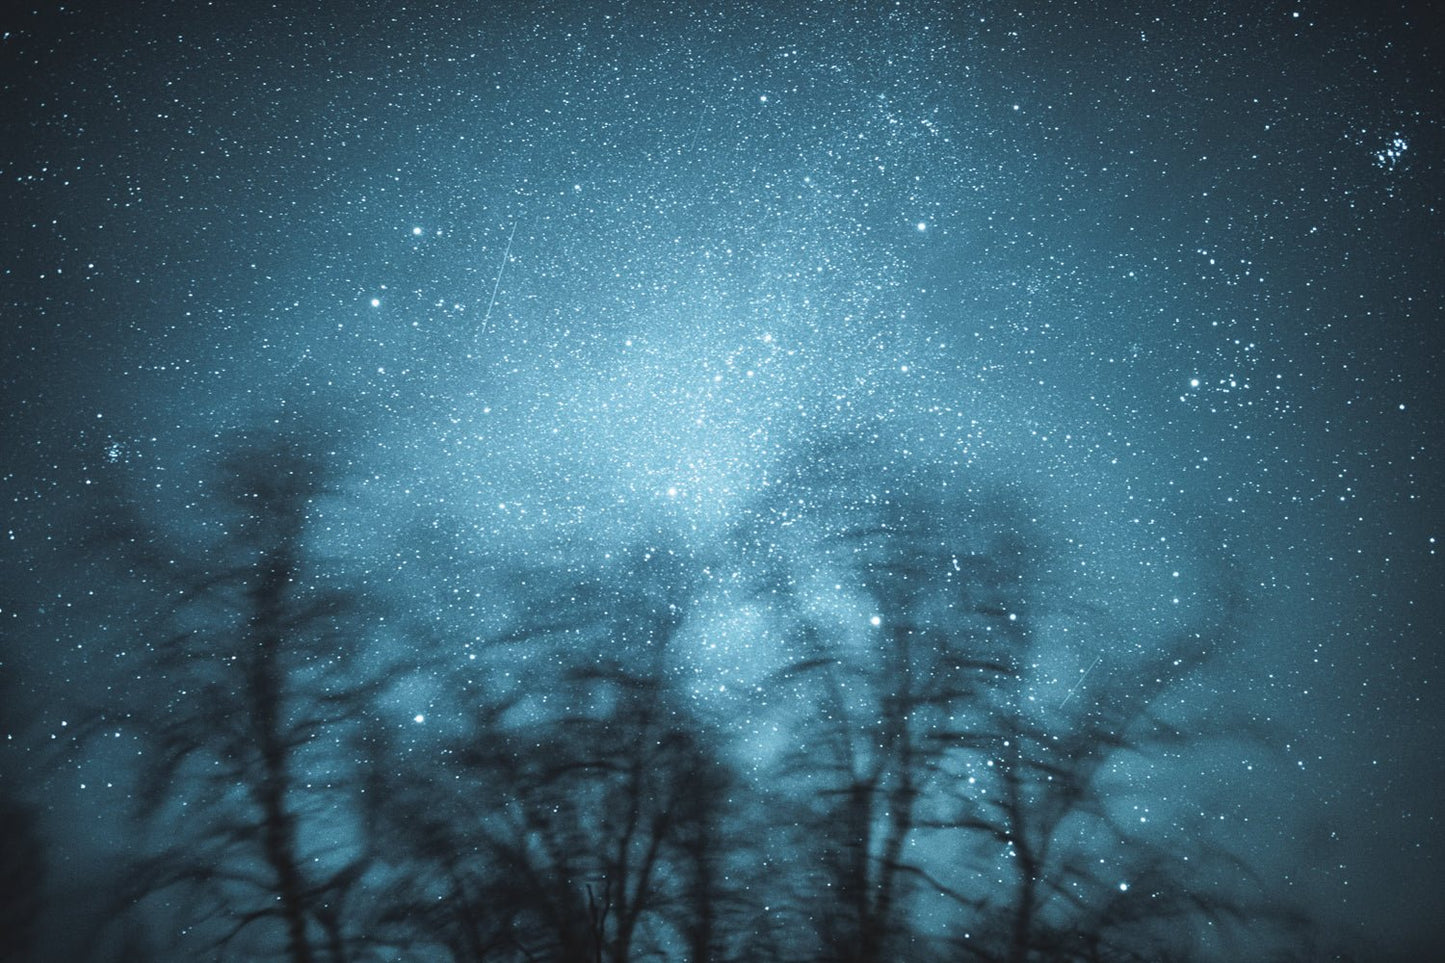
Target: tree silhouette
950	786
246	690
575	818
22	848
22	872
934	793
901	612
1035	811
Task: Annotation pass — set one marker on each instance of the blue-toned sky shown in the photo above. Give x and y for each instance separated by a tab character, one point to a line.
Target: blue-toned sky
566	274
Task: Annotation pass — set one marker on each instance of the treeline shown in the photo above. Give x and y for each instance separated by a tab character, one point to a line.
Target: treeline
917	778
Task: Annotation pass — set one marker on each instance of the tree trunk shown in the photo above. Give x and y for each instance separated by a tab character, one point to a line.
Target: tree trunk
1021	938
277	825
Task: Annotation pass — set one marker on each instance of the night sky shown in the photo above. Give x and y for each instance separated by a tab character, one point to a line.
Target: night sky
550	280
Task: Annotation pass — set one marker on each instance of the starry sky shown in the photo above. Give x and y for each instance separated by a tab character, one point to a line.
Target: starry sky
561	276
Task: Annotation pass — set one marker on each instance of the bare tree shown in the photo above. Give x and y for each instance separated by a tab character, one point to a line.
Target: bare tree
245	691
1036	804
946	779
902	610
574	819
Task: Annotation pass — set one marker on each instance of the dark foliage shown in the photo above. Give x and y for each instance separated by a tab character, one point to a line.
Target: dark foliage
22	876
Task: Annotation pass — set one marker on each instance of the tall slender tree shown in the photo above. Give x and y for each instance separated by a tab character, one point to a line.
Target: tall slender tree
247	686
